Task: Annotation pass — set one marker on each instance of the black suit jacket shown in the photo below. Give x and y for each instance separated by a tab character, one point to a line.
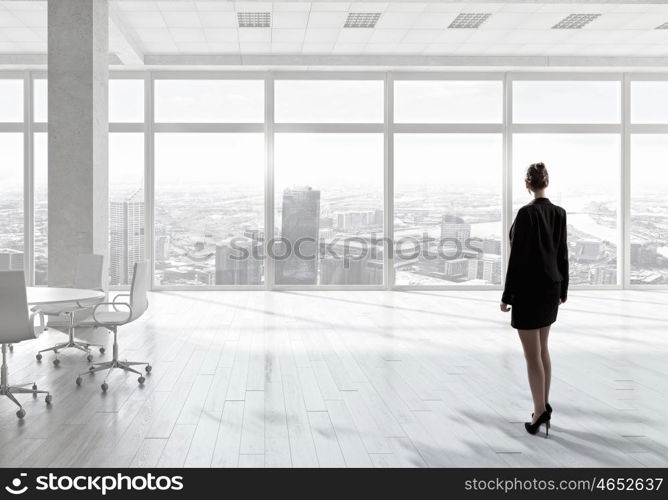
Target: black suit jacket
538	250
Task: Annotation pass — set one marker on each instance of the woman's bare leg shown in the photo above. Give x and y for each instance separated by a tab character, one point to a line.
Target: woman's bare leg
531	345
547	362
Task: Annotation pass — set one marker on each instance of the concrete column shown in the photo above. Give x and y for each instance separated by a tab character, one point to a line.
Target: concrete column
78	133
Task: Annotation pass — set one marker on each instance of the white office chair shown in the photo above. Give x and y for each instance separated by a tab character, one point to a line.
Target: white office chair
122	313
17	325
88	275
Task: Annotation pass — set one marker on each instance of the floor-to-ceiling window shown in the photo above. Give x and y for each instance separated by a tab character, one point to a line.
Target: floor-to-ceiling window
328	157
448	164
649	182
209	182
328	164
12	242
574	128
127	208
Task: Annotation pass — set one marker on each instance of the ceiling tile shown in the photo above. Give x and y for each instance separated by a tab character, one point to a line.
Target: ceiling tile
175	6
441	48
354	35
187	35
285	48
21	35
292	6
253	6
224	47
137	6
434	20
321	35
421	36
255	47
219	20
160	48
221	35
255	35
330	6
391	20
317	48
214	6
349	48
7	19
154	34
10	47
145	19
192	47
32	18
380	48
182	19
387	36
505	20
287	35
289	19
406	7
327	19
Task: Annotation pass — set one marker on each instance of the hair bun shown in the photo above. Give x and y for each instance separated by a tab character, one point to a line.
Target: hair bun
537	176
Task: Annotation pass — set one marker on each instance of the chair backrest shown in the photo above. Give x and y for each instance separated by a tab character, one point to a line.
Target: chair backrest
89	273
138	290
14	318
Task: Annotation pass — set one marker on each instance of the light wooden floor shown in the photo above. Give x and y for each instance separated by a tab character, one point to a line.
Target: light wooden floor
356	379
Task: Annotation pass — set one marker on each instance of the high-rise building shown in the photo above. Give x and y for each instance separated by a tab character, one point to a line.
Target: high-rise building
587	250
352	263
455	229
299	228
350	220
126	225
161	248
237	262
11	260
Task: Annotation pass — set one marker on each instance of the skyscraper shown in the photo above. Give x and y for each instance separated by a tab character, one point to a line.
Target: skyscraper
236	262
126	224
300	227
454	228
11	260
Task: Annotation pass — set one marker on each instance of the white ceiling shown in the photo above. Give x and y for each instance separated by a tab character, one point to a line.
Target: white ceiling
142	28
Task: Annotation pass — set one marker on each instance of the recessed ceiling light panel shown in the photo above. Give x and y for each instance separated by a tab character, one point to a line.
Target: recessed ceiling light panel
362	20
469	20
254	19
575	21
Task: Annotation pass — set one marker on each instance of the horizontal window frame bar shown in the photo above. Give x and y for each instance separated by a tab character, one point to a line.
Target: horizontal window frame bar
194	128
328	128
557	128
447	128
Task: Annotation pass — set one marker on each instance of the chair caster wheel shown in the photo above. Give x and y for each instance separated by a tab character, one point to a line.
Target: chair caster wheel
141	380
21	413
91	368
34	387
38	357
148	368
104	387
48	399
102	350
56	362
89	357
78	380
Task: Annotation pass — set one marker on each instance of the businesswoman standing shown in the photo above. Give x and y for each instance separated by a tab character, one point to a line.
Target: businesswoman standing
536	283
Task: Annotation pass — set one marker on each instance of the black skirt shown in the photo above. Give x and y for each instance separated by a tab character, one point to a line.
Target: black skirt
537	308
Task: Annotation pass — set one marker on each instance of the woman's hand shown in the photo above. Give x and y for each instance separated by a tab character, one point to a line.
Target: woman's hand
561	301
504	307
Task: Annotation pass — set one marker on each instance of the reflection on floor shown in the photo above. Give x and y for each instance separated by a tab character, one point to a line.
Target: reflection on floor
358	379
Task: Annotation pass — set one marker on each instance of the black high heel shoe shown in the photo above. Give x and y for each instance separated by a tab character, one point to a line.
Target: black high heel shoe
543	419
